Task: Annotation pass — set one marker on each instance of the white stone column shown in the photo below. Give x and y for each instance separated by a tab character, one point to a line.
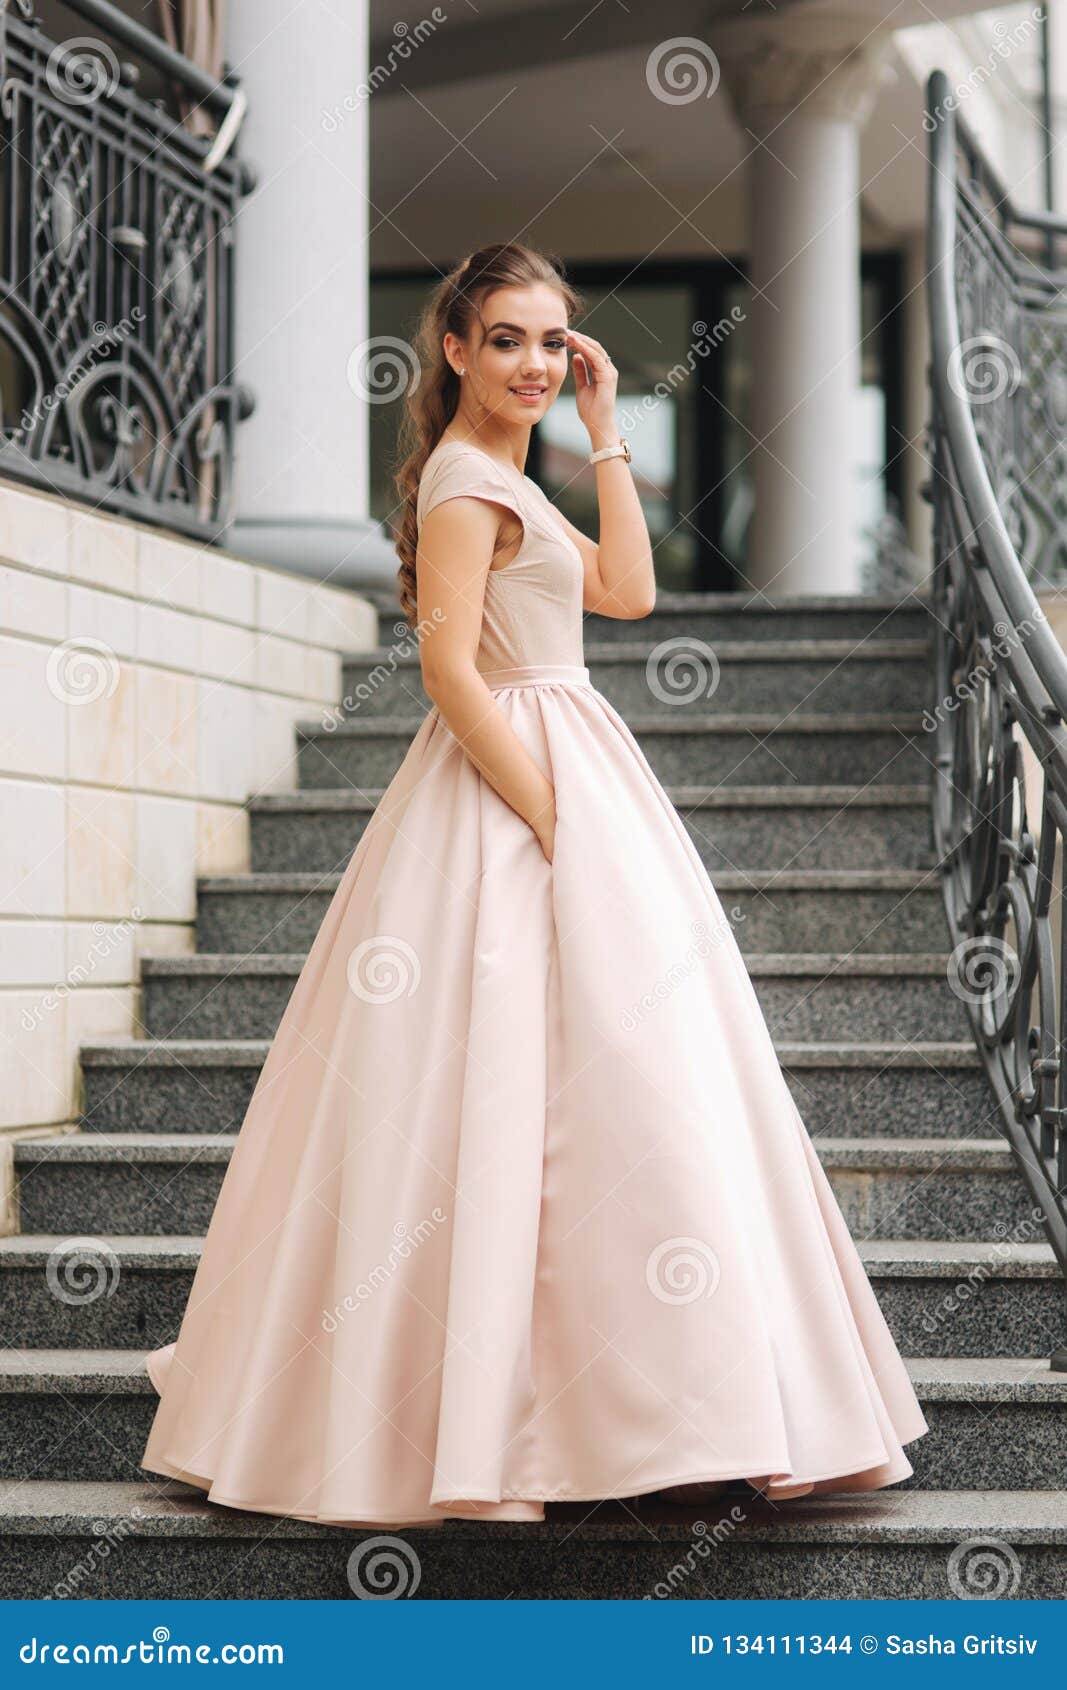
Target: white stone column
301	292
802	99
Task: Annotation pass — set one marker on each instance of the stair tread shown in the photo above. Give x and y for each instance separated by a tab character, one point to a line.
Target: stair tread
808	1053
734	721
732	880
894	1256
944	1379
641	651
851	963
165	1509
718	797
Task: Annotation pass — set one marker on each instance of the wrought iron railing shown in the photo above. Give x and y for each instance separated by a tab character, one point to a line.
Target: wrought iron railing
996	281
116	276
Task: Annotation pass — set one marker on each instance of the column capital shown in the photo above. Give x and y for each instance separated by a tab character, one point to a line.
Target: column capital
818	68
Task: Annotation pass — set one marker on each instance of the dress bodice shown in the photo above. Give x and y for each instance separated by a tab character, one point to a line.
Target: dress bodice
532	610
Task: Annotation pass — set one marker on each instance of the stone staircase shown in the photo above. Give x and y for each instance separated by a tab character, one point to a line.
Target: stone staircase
804	783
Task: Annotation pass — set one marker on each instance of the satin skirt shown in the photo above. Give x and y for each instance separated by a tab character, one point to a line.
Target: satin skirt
522	1209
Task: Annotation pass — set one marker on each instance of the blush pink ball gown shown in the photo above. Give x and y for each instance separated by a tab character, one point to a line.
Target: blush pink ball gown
522	1209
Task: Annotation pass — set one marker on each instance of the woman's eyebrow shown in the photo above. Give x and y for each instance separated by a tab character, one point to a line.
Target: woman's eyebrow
520	330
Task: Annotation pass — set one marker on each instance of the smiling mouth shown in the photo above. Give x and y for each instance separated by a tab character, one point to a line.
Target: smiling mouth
529	392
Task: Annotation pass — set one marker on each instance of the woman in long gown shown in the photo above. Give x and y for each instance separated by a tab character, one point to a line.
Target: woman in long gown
522	1209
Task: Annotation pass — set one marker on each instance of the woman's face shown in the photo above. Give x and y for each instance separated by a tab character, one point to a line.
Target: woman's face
521	364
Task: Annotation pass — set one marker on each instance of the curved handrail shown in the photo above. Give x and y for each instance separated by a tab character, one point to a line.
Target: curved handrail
999	872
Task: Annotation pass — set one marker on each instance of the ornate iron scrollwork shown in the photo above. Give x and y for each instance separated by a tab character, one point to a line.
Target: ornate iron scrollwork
998	441
116	381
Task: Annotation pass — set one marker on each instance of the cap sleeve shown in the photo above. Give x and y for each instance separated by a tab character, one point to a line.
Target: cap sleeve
465	475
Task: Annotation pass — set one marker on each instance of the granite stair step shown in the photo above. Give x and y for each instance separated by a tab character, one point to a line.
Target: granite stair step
735	616
860	1089
166	1541
967	1298
771	748
858	827
160	1183
789	909
996	1422
223	995
692	674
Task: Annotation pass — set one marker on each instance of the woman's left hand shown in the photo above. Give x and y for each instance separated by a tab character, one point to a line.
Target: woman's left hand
596	380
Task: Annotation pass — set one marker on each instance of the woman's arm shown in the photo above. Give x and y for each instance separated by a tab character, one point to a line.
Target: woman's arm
456	546
620	577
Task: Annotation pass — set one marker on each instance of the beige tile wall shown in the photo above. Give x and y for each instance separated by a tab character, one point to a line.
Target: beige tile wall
148	687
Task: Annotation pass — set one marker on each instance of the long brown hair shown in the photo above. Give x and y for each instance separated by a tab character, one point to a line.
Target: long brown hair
453	307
